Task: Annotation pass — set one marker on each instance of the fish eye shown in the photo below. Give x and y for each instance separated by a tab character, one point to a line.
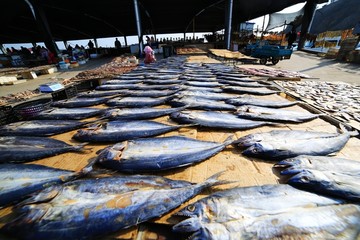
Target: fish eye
191	208
254	150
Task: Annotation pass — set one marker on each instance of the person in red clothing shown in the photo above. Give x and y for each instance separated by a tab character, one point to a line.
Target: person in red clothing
149	55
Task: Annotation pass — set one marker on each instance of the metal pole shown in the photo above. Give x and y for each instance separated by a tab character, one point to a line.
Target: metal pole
262	29
228	25
125	39
138	25
2	48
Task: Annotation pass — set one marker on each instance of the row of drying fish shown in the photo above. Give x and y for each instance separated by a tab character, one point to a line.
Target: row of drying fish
74	209
342	100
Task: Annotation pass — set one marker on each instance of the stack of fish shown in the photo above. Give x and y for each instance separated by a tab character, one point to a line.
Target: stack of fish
342	100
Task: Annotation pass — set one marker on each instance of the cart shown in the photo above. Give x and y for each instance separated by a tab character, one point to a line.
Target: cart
273	53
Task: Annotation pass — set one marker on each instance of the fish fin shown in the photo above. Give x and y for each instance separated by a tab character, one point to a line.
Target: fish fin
213	180
80	147
42	196
344	129
189	125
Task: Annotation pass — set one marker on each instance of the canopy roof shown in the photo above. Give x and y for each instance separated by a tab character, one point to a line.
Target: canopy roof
340	15
84	19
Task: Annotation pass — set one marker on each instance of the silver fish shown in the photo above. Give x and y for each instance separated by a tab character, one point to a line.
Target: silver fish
40	128
157	154
69	113
137	101
24	149
206	94
139	113
203	84
248	90
330	183
297	164
17	181
81	102
271	114
216	120
243	84
201	103
115	131
74	211
248	100
327	222
295	145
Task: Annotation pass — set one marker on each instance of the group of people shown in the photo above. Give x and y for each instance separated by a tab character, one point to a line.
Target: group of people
37	52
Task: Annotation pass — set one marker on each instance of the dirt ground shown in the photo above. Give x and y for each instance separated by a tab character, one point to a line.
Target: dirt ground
320	69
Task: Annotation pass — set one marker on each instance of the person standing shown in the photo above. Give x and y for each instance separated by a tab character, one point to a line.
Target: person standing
117	43
292	37
91	44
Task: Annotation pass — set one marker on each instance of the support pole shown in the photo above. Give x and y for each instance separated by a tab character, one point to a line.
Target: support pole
309	11
138	26
125	39
41	20
66	44
96	45
2	48
228	16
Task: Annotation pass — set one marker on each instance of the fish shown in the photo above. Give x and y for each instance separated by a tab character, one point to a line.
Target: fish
100	94
216	120
123	81
249	100
255	205
201	103
40	128
152	93
330	183
139	113
279	135
121	130
208	89
25	149
248	90
68	113
107	87
130	102
158	154
242	84
321	163
18	181
163	81
203	84
233	75
130	76
253	201
206	94
153	87
165	76
274	114
74	211
81	102
294	145
325	222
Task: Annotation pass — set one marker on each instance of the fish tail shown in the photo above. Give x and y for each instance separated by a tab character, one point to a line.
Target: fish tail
214	181
80	147
229	140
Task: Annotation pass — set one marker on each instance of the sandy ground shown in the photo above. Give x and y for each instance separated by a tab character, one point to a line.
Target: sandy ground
320	69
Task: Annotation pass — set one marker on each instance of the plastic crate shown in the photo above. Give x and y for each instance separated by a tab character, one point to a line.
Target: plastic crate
68	92
32	108
86	85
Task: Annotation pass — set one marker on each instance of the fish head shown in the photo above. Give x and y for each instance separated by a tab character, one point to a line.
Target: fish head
306	179
188	225
112	153
259	149
182	116
247	140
